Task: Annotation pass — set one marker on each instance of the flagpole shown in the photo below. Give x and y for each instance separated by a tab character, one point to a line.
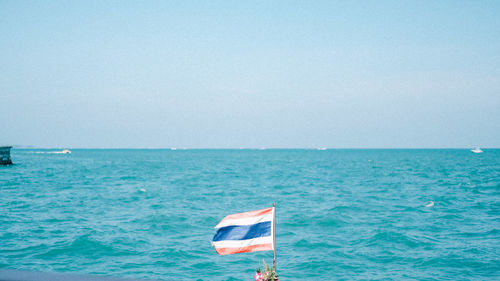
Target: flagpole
274	235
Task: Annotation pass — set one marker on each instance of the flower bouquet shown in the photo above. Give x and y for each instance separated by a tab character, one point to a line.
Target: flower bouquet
266	273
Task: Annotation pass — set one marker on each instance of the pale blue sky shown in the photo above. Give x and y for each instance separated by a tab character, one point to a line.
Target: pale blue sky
340	74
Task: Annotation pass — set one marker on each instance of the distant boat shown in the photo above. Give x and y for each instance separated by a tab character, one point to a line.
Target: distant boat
64	151
477	150
5	155
321	148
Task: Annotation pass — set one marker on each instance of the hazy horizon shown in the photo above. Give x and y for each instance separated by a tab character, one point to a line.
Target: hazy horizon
223	74
251	148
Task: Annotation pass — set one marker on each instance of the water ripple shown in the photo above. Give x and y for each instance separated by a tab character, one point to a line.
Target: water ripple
342	214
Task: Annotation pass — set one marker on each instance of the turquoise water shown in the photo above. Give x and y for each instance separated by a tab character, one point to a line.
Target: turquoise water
341	214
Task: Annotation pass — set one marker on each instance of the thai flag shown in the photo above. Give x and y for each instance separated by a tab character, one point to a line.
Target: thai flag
245	232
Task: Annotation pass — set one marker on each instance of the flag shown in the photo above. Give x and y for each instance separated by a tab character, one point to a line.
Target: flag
245	232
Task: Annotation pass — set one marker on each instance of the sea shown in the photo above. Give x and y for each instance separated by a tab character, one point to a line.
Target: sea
353	214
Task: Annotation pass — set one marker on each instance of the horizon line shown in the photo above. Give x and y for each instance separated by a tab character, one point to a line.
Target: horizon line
245	148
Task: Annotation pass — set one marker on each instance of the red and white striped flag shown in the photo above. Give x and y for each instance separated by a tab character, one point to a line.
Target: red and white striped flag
245	232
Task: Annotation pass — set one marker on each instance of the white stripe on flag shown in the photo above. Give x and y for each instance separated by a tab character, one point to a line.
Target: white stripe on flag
245	221
242	243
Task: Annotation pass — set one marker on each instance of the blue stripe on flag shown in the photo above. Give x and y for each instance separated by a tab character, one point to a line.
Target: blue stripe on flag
242	232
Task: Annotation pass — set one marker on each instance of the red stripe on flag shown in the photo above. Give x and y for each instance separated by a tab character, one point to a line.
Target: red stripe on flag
248	214
253	248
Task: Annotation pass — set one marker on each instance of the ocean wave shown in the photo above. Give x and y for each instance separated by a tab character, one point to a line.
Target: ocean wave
85	246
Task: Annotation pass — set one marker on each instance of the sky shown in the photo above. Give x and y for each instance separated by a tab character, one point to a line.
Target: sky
251	74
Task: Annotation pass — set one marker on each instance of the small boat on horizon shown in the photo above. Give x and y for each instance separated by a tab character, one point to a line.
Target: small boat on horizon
477	150
64	151
5	155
